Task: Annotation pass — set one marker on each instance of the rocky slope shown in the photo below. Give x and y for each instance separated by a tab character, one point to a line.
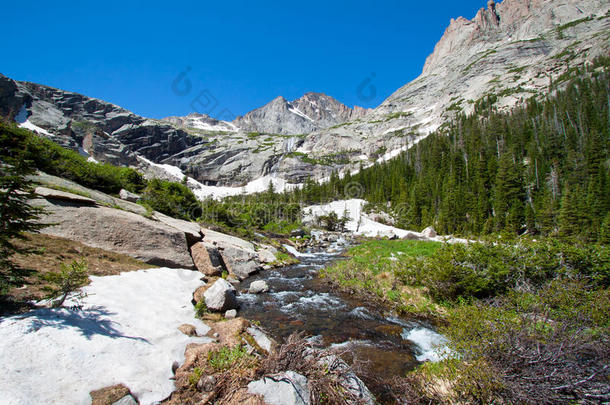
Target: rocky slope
511	49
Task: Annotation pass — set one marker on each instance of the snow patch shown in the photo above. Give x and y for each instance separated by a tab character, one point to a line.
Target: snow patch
203	191
35	128
126	332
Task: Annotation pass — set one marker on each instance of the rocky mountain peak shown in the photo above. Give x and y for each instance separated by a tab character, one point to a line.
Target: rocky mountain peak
510	20
311	112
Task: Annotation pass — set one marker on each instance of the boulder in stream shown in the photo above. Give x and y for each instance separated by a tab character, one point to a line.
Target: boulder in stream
258	286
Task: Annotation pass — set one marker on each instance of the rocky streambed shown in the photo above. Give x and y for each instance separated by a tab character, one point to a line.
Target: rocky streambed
298	301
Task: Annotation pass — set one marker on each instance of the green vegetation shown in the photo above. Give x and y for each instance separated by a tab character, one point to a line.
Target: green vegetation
16	214
330	159
33	152
201	308
540	168
562	28
67	281
51	158
527	321
226	358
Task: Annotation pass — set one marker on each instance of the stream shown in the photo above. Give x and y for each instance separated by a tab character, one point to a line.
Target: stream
299	301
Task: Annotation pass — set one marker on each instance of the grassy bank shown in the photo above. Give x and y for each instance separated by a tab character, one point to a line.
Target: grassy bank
527	321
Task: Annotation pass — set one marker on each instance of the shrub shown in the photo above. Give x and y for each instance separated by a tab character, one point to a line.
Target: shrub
226	358
68	280
173	199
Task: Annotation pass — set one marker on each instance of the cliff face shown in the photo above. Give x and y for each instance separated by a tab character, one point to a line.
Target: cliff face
511	49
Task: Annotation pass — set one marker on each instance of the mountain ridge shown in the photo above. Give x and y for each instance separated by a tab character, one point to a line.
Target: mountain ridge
511	50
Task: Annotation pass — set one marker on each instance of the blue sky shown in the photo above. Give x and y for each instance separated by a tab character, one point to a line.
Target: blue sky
241	54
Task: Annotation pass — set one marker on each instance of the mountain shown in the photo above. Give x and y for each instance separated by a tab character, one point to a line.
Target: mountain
94	127
508	52
201	121
511	51
309	113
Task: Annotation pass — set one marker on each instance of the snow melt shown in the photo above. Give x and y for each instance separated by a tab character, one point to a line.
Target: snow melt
126	332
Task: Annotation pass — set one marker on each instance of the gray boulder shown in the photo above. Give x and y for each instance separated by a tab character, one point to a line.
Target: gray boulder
258	286
287	388
220	296
51	194
429	232
191	230
126	400
206	259
239	256
129	196
118	231
261	339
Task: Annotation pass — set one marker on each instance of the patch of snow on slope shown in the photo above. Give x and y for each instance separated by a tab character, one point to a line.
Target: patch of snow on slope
35	128
298	112
360	224
202	191
125	333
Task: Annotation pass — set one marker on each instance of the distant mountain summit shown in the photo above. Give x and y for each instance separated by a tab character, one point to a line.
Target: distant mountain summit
313	111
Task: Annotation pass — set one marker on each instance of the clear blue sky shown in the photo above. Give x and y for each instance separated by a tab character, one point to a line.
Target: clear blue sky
242	53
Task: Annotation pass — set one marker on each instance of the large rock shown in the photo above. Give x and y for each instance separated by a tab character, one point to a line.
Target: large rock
118	231
191	230
429	232
220	296
129	196
207	259
51	194
258	286
239	256
98	196
287	388
261	338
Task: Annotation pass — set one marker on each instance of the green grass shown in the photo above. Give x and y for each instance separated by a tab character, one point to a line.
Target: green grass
377	254
226	358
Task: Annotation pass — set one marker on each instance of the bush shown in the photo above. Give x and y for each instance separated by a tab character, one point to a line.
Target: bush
173	199
16	214
51	158
482	270
68	280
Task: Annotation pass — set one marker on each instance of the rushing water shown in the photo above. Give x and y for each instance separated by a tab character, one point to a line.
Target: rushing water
299	301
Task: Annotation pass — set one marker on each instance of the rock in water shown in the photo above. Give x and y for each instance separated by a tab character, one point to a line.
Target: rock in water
288	388
258	286
220	296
